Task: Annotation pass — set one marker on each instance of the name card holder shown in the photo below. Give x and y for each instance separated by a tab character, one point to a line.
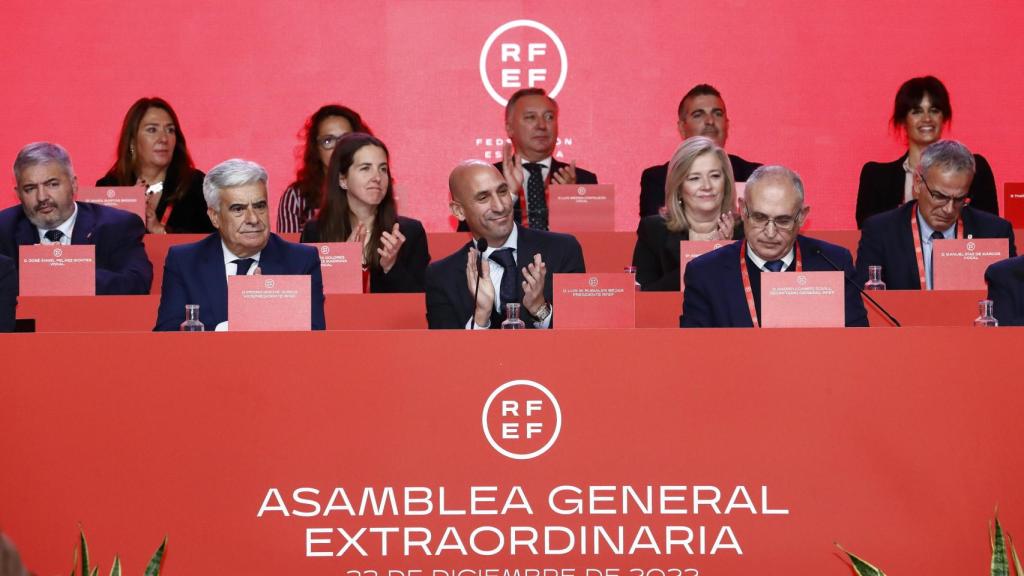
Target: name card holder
581	207
594	301
960	264
802	300
341	264
129	198
269	303
57	270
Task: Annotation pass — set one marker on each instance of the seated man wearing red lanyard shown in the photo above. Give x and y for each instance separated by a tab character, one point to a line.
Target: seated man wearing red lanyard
723	287
900	240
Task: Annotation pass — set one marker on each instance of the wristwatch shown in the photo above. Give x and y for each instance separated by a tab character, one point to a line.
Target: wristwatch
543	313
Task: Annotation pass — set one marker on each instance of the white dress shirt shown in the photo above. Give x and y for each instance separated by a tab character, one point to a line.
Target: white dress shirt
787	260
497	273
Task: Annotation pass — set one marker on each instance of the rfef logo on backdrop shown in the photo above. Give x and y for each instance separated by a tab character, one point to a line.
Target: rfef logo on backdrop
521	419
522	54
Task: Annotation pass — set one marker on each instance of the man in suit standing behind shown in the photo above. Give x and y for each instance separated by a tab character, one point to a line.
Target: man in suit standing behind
528	164
48	214
701	112
894	239
716	293
516	263
236	200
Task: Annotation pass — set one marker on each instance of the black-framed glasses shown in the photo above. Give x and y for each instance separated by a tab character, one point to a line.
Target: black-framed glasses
785	222
940	199
328	142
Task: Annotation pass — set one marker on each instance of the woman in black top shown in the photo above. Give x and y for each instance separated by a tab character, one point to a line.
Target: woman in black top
921	110
359	206
699	196
151	152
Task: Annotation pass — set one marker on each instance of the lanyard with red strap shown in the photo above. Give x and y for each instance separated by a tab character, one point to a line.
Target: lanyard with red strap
746	278
918	252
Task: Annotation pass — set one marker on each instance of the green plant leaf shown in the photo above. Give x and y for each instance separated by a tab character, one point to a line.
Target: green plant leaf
1000	567
115	570
85	551
153	569
862	567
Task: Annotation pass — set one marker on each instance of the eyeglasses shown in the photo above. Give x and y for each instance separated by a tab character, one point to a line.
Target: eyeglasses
940	199
328	142
785	222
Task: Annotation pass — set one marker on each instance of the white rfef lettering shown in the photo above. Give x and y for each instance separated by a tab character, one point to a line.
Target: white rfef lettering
510	52
533	50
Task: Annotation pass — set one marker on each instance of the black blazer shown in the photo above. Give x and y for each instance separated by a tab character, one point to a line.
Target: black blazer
450	301
8	293
410	266
882	183
122	265
583	176
188	216
1006	290
652	183
656	254
887	240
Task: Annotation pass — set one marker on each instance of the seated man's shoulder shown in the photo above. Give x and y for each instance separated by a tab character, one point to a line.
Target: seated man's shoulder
716	258
1007	269
654	171
10	215
988	219
890	219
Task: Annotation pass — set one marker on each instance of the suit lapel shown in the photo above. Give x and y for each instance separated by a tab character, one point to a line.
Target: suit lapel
212	266
25	232
271	260
85	225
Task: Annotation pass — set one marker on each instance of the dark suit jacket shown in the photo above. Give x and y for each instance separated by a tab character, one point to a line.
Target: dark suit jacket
194	274
122	266
714	296
188	216
582	177
887	240
882	183
8	293
653	179
1006	290
656	254
450	301
410	266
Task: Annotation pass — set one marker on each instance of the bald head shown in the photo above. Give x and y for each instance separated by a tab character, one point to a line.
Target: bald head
480	198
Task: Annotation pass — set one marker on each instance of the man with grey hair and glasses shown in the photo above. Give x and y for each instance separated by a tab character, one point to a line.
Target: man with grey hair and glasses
46	186
236	200
941	210
723	287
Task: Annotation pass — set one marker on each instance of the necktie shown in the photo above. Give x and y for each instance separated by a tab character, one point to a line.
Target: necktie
936	235
536	202
774	265
507	293
53	235
243	266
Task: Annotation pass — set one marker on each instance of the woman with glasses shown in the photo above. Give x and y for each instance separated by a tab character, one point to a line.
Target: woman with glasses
699	197
359	206
151	152
320	135
920	112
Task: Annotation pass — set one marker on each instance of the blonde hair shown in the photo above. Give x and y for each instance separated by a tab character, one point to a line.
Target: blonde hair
686	154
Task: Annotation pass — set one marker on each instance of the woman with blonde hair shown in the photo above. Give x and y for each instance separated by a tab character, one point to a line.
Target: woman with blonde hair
699	199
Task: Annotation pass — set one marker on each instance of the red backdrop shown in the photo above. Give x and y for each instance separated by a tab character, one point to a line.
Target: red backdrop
807	85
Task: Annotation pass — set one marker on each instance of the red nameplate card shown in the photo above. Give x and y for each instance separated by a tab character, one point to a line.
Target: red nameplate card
690	249
960	264
341	264
1013	203
594	300
57	270
802	300
581	207
261	302
130	198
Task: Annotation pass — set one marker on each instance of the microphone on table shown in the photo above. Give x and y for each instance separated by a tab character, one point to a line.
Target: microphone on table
480	246
891	318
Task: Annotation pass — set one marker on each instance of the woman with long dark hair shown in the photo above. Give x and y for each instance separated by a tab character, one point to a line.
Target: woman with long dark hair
151	152
921	111
359	206
320	135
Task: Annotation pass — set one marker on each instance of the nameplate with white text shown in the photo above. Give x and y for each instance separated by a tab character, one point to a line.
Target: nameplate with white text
802	300
581	207
265	303
341	264
960	264
57	270
128	198
594	300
